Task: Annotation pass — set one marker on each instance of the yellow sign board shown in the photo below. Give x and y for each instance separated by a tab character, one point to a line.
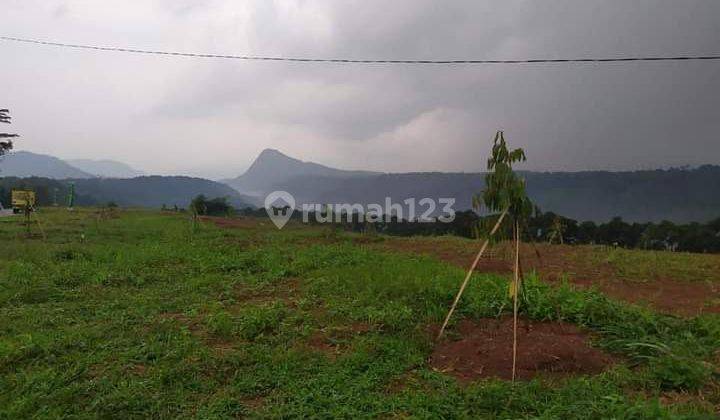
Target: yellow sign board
23	199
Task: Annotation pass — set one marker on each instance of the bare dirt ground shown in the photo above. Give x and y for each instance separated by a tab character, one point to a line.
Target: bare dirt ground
579	265
544	348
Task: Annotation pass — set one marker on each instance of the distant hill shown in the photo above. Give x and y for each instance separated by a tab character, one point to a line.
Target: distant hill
105	168
273	167
154	191
146	191
679	195
26	164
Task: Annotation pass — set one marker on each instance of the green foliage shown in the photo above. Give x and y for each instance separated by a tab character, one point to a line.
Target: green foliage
221	324
201	205
675	372
5	145
168	328
645	266
255	322
504	189
144	191
44	189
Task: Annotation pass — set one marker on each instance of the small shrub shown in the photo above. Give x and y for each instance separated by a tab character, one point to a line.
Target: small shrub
674	372
221	324
69	255
264	320
393	316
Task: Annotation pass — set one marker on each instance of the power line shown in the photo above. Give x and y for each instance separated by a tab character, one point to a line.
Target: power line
360	61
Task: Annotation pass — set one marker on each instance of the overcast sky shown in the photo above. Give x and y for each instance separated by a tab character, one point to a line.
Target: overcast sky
212	117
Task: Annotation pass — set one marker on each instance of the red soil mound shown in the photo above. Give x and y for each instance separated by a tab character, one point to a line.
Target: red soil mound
485	350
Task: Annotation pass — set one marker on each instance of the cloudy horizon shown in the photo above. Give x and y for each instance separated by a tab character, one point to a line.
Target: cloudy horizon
211	118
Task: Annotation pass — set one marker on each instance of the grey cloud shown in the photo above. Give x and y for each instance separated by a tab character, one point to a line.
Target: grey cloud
615	116
61	10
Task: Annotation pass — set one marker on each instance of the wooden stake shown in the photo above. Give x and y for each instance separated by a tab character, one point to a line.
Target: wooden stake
469	273
37	219
516	290
27	221
537	253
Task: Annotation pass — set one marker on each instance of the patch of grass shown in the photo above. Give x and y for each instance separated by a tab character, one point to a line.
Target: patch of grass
639	265
140	316
255	322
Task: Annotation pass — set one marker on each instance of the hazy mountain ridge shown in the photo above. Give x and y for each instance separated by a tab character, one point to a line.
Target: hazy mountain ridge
26	164
105	168
154	191
145	191
680	195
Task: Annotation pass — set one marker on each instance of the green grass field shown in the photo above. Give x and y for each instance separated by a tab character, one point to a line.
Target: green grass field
141	315
639	265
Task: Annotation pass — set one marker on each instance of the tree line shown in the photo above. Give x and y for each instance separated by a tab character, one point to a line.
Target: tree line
5	143
540	226
554	228
548	227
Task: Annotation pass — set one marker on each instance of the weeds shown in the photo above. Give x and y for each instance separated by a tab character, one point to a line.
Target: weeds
162	328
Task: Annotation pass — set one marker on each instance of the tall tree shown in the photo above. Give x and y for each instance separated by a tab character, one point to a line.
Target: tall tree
5	144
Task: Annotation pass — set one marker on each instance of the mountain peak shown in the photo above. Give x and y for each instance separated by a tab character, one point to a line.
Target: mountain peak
273	156
272	169
270	160
270	153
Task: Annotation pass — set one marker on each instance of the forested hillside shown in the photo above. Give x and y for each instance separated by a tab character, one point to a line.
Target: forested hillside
150	191
680	195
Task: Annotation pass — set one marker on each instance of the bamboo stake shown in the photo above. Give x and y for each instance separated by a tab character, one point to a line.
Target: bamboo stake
516	290
537	253
469	273
37	219
28	233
